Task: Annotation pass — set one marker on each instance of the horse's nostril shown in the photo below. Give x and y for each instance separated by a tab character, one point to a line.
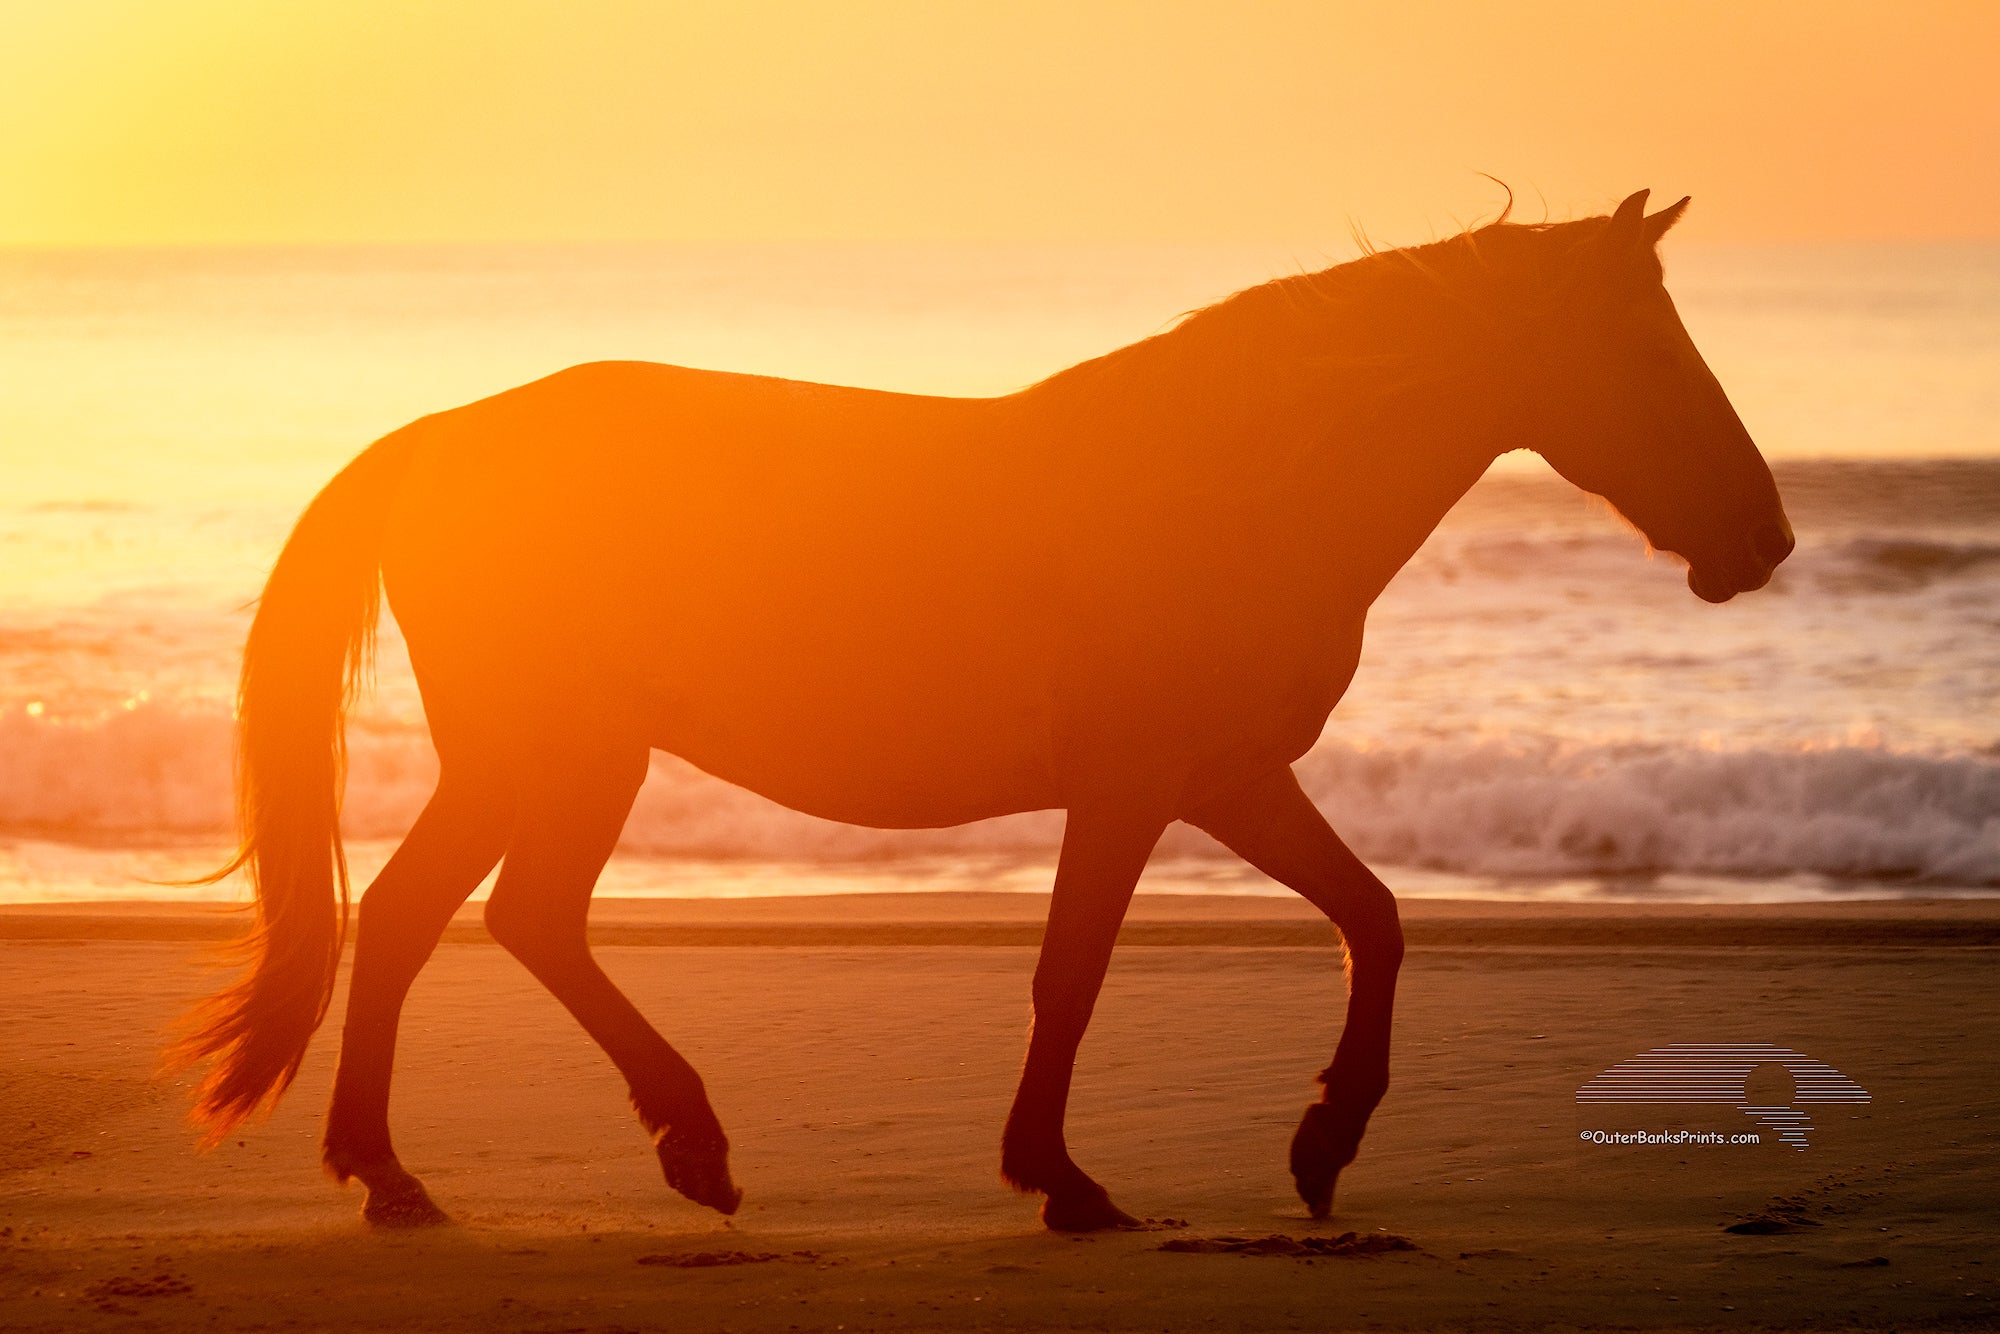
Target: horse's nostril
1774	543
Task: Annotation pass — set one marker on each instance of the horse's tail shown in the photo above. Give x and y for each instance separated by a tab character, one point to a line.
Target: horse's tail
310	645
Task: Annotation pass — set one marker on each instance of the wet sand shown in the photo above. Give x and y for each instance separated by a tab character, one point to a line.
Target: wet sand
862	1051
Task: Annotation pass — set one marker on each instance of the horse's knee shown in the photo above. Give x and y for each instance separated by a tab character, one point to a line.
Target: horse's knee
1370	924
1382	939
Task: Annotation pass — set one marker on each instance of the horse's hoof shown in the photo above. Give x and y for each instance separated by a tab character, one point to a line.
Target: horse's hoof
395	1198
1071	1200
696	1163
1085	1211
1323	1145
406	1206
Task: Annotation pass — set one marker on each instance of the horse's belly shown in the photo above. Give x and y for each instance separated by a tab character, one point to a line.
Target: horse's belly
913	754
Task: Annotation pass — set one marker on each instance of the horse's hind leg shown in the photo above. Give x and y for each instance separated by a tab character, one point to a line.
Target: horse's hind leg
1274	826
452	846
566	826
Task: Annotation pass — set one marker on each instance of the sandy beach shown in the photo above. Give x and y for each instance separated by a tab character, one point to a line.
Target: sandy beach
862	1051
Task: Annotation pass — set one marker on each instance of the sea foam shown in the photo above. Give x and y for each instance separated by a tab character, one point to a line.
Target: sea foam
1506	806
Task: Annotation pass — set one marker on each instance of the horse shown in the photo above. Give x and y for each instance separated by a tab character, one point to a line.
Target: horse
1133	591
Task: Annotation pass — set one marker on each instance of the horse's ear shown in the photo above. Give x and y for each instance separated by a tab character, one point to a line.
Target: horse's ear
1656	226
1629	222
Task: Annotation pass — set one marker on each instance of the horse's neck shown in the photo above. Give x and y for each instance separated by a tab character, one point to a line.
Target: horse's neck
1371	497
1340	476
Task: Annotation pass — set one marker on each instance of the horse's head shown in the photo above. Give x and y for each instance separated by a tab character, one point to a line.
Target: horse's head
1630	411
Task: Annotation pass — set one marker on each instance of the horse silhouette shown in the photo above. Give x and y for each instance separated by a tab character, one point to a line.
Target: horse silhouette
1133	591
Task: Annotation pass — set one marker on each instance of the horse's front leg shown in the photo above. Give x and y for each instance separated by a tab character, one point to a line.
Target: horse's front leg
1272	825
1104	849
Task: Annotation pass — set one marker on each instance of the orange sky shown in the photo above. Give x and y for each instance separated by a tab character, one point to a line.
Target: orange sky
246	120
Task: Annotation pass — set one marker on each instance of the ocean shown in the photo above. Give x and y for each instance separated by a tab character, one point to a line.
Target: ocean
1542	711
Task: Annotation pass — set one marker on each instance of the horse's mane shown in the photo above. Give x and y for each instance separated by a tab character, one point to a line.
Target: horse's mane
1390	318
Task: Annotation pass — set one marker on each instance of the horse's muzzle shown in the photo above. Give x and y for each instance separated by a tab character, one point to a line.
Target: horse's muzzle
1766	550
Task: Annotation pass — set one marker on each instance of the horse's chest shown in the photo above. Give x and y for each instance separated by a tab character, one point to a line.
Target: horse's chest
1238	691
1295	692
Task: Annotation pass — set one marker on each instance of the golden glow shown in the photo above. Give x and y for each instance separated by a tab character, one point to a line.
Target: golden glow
242	120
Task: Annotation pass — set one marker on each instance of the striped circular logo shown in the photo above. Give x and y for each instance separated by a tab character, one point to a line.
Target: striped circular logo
1709	1074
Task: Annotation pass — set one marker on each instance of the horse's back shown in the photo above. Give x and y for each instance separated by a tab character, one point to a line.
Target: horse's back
830	595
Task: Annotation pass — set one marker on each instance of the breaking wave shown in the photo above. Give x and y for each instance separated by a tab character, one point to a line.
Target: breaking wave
1874	563
1521	806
